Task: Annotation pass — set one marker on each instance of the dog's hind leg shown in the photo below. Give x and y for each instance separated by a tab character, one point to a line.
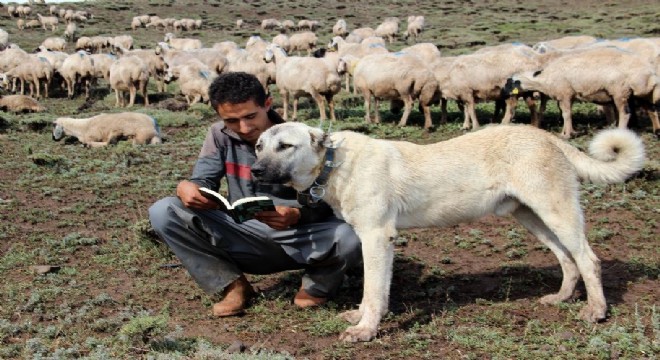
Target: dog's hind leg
561	227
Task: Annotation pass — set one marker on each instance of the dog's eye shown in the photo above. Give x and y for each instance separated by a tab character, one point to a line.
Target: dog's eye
283	146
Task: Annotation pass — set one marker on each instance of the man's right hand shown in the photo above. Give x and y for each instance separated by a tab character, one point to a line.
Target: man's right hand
192	198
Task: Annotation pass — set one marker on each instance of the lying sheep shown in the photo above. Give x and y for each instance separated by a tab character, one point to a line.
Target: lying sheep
129	73
320	81
54	43
104	129
182	43
20	104
305	41
398	77
600	75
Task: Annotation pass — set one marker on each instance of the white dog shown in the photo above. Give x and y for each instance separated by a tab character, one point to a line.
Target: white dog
379	186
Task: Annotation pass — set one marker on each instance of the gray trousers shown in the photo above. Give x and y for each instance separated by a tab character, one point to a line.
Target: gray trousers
216	251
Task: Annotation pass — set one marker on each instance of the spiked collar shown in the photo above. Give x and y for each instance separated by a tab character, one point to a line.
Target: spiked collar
316	192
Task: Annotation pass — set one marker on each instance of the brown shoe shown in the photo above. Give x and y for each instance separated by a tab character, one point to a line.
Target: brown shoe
304	300
236	297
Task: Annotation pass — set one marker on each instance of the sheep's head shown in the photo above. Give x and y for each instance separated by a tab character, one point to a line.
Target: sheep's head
58	131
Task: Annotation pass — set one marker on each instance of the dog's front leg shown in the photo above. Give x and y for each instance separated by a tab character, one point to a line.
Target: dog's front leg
378	256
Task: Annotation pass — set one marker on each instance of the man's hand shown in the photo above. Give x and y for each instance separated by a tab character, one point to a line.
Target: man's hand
190	196
280	219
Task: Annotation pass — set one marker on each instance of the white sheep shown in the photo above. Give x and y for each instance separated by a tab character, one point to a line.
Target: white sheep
125	41
270	24
136	23
397	77
54	10
129	74
70	31
240	60
48	21
350	51
35	71
155	62
415	27
182	43
319	81
428	52
214	59
282	41
304	41
600	75
4	39
240	23
100	43
287	25
389	29
564	43
20	104
77	68
102	63
25	11
307	24
104	129
359	34
194	79
55	43
11	10
84	43
340	28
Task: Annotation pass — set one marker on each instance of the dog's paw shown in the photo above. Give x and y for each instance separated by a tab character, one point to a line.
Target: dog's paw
352	316
593	314
358	333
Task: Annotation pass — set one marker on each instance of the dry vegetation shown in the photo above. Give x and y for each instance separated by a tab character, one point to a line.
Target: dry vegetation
108	290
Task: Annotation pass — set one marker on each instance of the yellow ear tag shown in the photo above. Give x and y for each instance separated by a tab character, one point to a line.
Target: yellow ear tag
514	91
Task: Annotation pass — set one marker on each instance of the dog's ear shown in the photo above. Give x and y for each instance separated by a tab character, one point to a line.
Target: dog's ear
317	138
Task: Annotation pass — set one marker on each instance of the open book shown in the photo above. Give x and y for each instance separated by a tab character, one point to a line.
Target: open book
243	209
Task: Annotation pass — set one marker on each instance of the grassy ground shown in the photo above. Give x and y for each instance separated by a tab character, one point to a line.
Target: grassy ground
111	291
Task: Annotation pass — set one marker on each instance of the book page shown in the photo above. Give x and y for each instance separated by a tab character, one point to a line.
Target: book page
210	194
249	199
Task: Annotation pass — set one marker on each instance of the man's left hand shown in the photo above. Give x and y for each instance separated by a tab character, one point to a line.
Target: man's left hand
280	219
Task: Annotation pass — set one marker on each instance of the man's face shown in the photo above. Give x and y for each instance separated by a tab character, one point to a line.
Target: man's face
247	119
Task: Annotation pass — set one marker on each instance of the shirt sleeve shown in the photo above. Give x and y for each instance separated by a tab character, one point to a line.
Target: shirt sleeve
210	166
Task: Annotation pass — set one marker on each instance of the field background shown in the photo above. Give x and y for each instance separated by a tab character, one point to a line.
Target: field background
466	292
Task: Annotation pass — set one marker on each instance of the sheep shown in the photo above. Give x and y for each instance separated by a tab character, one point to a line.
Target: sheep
70	31
77	68
415	27
129	73
303	41
255	45
55	58
24	10
601	75
54	43
30	24
428	52
356	50
48	21
359	34
214	59
194	79
225	46
11	10
340	28
270	24
53	10
35	71
136	23
310	25
102	64
84	43
20	104
240	23
373	41
155	62
182	43
398	77
104	129
320	82
125	41
157	22
100	43
287	25
388	29
240	60
10	58
564	43
282	41
20	24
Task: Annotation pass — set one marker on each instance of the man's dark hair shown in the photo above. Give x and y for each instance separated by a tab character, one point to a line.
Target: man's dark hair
236	88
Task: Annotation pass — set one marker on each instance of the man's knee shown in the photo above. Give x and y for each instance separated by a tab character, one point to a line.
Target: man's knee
160	214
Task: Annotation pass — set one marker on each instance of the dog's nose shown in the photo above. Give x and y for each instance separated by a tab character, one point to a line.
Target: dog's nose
257	170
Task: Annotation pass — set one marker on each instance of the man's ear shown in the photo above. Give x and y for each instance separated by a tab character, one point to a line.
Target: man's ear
268	103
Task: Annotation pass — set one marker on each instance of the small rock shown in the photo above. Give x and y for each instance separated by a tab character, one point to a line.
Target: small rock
236	347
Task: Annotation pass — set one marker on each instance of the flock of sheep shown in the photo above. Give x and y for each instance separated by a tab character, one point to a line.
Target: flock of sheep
619	74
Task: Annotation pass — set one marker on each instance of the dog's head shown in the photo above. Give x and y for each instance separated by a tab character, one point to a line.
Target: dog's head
290	154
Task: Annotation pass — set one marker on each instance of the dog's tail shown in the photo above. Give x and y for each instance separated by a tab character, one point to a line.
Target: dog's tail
616	154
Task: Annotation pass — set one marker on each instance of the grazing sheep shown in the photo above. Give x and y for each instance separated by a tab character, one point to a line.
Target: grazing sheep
319	81
19	104
415	27
373	41
194	79
428	52
129	73
226	46
102	64
84	43
389	29
24	10
287	25
11	58
20	24
340	28
270	24
54	43
282	41
347	50
310	25
305	41
214	59
240	60
4	39
125	41
398	77
54	10
359	34
182	43
136	23
34	71
77	68
155	62
30	24
104	129
48	21
240	23
100	43
601	75
256	46
11	10
70	31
